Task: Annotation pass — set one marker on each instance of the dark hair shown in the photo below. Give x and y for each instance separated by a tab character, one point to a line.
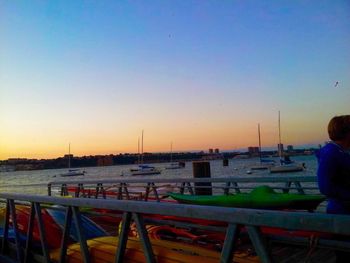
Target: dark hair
339	127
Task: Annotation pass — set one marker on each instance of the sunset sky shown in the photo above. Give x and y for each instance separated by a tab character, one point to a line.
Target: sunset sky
201	74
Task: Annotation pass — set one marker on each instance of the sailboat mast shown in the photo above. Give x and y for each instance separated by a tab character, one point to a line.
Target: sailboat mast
69	155
259	142
142	147
138	150
279	136
171	152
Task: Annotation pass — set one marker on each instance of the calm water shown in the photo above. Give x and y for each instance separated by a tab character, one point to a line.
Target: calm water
22	181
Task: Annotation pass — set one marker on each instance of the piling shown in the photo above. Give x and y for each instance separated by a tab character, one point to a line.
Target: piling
225	162
202	170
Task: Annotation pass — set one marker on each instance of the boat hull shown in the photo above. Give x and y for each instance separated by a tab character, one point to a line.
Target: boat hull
286	169
262	197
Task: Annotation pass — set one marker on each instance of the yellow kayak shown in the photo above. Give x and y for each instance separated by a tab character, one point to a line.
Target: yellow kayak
102	250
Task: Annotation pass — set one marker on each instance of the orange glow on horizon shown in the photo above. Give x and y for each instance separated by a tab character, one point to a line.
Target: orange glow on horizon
197	138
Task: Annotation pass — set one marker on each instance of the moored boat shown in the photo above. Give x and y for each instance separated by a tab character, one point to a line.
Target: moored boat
264	163
288	168
145	169
286	164
72	172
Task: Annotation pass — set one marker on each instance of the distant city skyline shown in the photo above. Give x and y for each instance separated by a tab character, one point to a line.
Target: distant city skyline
199	74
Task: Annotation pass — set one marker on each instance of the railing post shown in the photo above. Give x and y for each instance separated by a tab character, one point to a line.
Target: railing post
227	188
81	236
29	233
259	243
42	234
15	229
231	236
49	186
123	237
287	187
146	243
65	235
299	188
6	228
147	191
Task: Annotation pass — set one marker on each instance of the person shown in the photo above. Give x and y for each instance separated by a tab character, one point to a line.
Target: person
334	166
333	172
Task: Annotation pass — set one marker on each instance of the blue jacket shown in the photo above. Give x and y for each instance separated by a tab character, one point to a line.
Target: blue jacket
334	177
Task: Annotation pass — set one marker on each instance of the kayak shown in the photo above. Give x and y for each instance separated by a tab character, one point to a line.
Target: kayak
197	237
90	228
22	215
103	249
53	222
214	240
261	197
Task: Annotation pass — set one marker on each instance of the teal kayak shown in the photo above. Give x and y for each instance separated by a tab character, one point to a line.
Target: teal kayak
261	197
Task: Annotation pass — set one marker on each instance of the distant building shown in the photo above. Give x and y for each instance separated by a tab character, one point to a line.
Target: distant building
290	148
211	151
13	161
253	151
105	160
216	150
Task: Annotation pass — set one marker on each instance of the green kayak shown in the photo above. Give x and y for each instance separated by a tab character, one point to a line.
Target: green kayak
261	197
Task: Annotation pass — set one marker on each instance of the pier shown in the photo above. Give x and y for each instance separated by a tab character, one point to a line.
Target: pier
138	203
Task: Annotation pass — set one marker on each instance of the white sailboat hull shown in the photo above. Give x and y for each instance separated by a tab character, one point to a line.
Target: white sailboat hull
286	169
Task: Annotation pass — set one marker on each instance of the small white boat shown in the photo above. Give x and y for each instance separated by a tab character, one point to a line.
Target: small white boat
264	164
287	165
173	166
73	172
288	168
145	169
261	166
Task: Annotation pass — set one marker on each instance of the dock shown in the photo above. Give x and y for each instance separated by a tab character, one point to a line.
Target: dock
248	235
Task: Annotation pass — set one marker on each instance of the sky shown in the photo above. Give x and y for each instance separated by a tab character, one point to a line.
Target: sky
200	74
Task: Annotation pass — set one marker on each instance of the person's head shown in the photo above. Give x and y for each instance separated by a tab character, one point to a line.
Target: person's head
339	129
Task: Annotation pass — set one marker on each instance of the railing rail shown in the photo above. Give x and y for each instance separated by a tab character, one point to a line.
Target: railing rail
122	188
252	219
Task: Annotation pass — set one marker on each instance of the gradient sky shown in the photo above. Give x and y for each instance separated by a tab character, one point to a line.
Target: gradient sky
201	74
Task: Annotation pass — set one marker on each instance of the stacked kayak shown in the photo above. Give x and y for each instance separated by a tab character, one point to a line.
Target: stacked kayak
198	237
23	214
53	221
262	197
103	249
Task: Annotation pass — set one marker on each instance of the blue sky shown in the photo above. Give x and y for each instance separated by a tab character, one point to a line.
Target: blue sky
199	73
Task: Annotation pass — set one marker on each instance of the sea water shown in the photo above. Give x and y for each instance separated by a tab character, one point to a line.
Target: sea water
36	181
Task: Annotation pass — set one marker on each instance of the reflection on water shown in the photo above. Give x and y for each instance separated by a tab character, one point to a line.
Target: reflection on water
236	167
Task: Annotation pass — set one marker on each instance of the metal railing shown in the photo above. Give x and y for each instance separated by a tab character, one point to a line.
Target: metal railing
235	218
141	189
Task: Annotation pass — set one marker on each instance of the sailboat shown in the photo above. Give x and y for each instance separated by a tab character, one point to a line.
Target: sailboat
172	165
72	172
264	163
286	166
143	169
